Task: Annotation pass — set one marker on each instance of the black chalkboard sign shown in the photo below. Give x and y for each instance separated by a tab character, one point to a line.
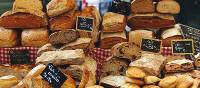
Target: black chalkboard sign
19	57
192	33
85	23
184	46
55	77
151	45
121	7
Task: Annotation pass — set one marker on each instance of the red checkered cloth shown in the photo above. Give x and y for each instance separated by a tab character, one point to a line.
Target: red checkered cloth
5	56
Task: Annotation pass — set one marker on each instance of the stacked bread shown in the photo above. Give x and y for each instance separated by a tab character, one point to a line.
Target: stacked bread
113	30
30	18
149	15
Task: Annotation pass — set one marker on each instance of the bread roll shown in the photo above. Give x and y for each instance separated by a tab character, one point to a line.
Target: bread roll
184	81
171	34
108	40
8	81
150	63
8	37
136	36
139	82
151	20
72	57
151	79
35	37
142	6
113	22
179	66
134	72
129	85
63	37
168	82
151	86
58	7
168	6
197	62
46	48
196	83
95	86
113	81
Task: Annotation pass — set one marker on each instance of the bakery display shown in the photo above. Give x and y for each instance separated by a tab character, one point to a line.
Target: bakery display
35	37
8	37
136	36
113	22
142	6
170	7
108	40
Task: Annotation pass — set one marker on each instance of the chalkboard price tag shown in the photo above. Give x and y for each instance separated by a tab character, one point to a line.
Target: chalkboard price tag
121	7
55	77
19	57
85	23
184	46
151	45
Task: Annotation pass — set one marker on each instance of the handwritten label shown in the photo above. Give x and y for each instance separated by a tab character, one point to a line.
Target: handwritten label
151	45
55	77
19	57
121	7
192	33
85	23
182	46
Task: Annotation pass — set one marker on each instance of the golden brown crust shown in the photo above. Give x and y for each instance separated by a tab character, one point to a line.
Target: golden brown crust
168	6
8	37
142	6
22	20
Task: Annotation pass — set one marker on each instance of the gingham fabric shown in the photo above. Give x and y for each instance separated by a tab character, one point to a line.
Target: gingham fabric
5	56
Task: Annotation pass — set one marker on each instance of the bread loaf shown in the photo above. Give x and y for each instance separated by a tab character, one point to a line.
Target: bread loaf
171	34
8	37
46	48
142	6
113	81
114	66
108	40
136	36
151	20
168	6
63	37
8	81
64	21
58	7
35	37
126	50
72	57
150	63
168	82
113	22
179	66
22	20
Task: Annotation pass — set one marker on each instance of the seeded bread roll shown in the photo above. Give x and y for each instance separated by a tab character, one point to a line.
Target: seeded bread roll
179	66
142	6
113	22
168	6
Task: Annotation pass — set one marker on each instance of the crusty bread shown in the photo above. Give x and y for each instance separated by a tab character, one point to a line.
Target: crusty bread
168	6
22	20
35	37
179	65
137	35
113	22
171	34
142	6
126	50
108	40
58	7
151	20
8	81
114	66
168	82
137	81
33	7
72	57
63	22
45	48
150	63
184	81
63	37
8	37
113	81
